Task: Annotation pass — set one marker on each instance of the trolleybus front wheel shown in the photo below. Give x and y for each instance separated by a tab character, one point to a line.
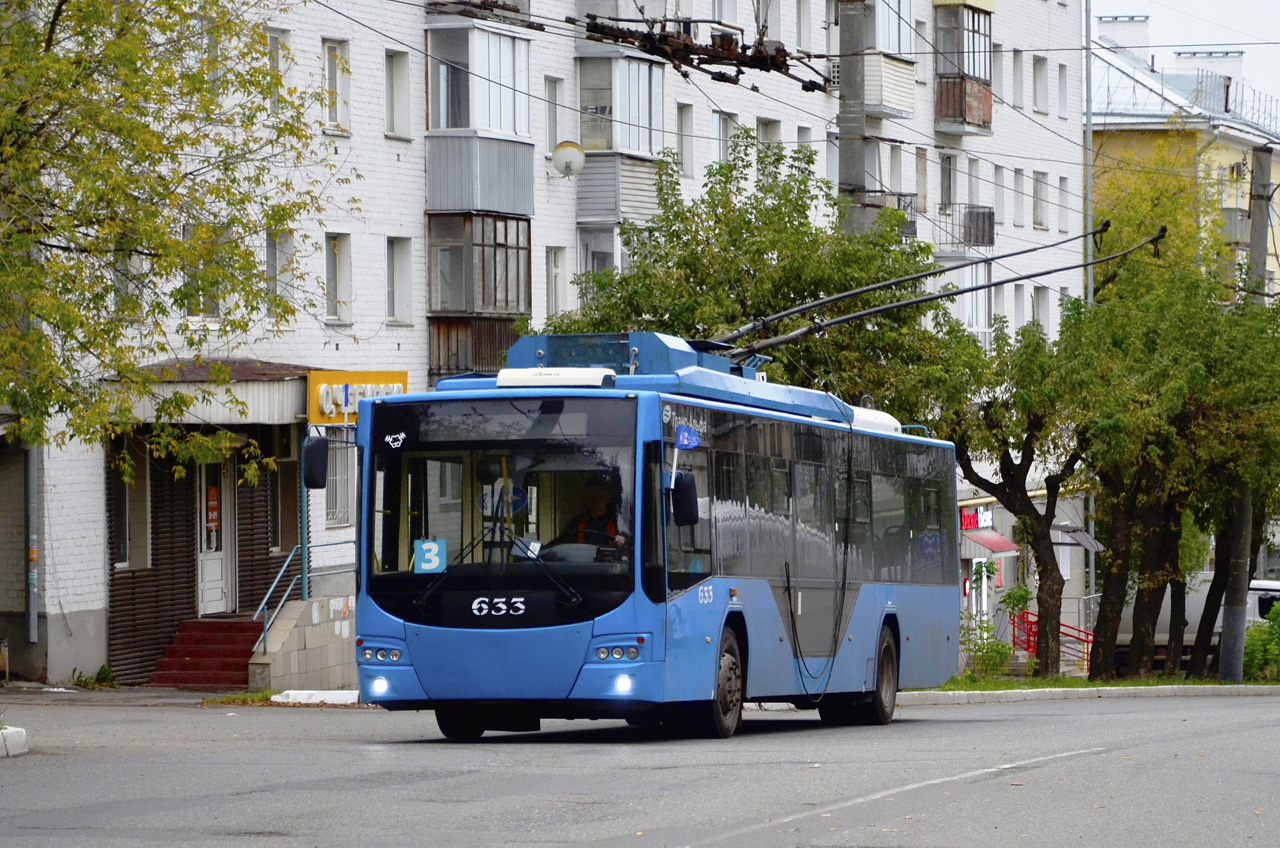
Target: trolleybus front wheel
459	723
722	715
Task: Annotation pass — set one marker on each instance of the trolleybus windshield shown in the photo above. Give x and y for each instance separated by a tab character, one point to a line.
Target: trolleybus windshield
523	506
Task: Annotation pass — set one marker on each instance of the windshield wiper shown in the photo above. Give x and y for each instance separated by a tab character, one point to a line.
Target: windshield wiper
531	555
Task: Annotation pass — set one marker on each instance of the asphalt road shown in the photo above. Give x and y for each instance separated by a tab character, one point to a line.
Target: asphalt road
1114	772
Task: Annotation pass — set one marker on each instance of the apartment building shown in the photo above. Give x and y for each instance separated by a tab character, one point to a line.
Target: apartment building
444	116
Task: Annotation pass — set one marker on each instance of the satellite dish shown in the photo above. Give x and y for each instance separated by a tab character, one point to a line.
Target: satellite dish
568	159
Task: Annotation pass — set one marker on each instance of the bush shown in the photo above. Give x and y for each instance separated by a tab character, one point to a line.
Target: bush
987	654
1262	648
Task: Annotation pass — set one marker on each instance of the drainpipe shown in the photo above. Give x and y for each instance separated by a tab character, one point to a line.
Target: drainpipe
33	544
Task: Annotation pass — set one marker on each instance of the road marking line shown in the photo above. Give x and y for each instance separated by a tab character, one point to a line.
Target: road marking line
885	793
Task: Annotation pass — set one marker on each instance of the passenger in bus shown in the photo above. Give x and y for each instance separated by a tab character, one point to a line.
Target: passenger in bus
597	525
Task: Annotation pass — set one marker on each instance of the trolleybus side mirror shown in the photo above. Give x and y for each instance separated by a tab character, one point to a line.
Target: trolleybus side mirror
684	500
315	462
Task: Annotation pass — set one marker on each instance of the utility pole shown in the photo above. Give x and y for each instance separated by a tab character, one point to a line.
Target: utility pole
855	17
1231	643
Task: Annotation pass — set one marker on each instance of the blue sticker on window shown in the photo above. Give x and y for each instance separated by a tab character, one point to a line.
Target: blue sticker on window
687	438
430	556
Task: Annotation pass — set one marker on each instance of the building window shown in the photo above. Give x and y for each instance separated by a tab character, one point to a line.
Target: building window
638	105
397	94
978	304
551	90
768	132
337	278
997	196
277	253
922	177
922	51
802	24
339	491
127	503
478	80
1063	205
1040	307
975	183
947	186
399	280
1016	87
278	62
1040	84
1019	193
833	159
560	294
1063	96
336	85
1040	200
199	277
480	264
893	29
684	138
725	124
997	71
895	168
597	249
964	42
725	11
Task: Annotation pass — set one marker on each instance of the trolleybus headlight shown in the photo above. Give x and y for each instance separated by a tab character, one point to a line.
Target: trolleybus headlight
622	685
382	654
602	653
632	653
367	654
379	686
617	653
395	655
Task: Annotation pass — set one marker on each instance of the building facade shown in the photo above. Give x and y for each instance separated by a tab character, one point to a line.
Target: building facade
444	116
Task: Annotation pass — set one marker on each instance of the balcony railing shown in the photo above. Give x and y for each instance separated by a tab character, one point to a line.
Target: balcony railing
962	225
906	203
963	106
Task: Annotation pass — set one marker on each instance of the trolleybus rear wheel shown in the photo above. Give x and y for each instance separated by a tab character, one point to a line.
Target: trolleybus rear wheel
459	724
879	710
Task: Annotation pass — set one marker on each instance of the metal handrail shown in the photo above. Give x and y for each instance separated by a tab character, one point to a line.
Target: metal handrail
1026	632
268	621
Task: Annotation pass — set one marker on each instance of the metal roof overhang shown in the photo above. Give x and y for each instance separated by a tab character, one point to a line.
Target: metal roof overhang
985	544
258	393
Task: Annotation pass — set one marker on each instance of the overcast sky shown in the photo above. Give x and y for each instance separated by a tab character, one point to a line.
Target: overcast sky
1211	25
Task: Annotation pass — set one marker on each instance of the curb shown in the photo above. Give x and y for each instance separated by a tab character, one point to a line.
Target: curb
1013	696
14	741
309	696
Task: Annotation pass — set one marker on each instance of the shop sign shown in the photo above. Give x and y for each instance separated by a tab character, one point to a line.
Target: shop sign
334	396
979	518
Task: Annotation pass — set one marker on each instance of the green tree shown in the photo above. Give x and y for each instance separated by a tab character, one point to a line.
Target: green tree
1180	395
1012	408
764	236
147	152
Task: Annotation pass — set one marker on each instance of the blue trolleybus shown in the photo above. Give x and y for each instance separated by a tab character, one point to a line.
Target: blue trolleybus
630	526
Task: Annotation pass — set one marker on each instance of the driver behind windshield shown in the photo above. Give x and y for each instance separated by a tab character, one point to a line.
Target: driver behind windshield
597	525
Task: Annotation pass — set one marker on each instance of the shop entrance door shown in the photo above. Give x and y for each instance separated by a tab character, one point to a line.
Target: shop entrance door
216	523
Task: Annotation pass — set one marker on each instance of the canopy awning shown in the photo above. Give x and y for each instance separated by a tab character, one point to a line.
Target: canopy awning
271	392
986	544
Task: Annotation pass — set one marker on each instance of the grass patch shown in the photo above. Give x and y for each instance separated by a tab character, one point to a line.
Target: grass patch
242	699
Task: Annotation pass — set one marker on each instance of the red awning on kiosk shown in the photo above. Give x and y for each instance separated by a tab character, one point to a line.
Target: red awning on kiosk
985	544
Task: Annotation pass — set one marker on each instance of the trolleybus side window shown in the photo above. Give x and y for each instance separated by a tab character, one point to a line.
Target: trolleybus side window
689	548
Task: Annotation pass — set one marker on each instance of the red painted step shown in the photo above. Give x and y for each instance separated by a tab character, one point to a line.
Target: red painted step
209	653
